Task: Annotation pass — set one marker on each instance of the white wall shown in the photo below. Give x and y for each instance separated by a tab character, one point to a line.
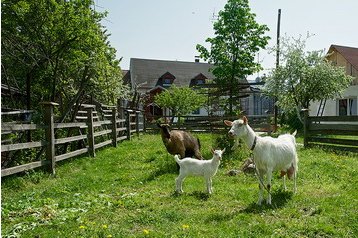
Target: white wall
331	108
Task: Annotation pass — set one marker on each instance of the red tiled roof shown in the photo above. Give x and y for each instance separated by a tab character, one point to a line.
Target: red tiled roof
349	53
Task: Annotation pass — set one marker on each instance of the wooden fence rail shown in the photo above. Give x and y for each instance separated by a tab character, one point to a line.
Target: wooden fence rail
94	134
214	124
331	130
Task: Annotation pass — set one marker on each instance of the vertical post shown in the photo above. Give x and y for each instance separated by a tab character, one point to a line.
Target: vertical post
90	135
120	105
114	127
268	121
50	135
137	122
128	123
305	127
277	61
144	122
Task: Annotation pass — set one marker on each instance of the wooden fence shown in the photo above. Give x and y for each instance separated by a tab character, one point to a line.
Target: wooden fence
331	130
94	132
214	124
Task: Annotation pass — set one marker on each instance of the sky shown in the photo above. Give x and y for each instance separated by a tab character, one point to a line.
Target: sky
171	29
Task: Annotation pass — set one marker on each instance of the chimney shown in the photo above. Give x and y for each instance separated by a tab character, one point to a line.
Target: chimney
197	59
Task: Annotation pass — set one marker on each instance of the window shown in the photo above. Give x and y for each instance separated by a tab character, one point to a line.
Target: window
196	112
199	81
167	82
342	107
347	107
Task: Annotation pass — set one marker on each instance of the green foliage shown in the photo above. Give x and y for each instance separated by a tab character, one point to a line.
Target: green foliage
181	101
57	49
303	77
238	37
128	191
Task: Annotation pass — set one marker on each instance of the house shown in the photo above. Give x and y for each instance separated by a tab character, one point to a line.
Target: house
149	77
345	105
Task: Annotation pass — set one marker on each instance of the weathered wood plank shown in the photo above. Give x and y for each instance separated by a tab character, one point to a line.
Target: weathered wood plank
20	127
21	146
121	138
121	129
81	125
24	167
101	133
334	141
99	145
332	132
334	119
335	127
70	139
71	154
100	123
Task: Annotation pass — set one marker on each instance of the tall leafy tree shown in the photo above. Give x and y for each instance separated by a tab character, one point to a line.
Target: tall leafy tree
304	76
58	51
181	101
238	37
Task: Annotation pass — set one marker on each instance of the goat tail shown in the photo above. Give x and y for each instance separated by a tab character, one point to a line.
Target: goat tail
176	157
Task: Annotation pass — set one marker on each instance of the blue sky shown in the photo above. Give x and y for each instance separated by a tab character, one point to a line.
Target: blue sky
170	29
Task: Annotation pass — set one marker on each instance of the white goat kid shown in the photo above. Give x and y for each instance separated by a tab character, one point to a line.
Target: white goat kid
194	167
270	154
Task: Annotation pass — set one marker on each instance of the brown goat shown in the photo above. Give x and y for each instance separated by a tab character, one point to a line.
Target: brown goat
180	142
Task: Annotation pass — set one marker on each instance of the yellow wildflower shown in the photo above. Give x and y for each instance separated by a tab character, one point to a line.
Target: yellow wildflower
82	227
146	232
109	236
185	226
104	226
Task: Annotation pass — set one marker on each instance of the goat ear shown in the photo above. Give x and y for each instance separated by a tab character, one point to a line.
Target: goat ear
223	150
212	151
158	124
245	120
228	123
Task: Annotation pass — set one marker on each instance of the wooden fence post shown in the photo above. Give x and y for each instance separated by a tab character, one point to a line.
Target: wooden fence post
137	122
120	106
305	127
128	123
90	133
50	135
268	120
114	127
144	122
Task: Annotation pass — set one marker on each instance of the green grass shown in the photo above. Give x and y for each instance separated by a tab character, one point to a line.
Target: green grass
128	191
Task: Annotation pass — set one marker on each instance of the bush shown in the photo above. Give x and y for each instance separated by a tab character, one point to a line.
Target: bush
240	153
291	120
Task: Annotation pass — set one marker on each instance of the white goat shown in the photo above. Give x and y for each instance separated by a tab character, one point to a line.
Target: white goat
270	154
205	168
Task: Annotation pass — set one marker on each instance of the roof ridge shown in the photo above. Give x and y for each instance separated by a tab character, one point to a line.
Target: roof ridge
351	47
173	61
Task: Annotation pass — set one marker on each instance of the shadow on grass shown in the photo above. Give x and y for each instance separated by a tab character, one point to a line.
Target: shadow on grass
279	199
164	168
202	196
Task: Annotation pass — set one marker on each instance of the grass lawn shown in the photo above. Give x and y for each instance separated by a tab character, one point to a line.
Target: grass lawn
128	191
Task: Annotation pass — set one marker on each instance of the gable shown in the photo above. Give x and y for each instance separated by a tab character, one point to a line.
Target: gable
146	72
350	54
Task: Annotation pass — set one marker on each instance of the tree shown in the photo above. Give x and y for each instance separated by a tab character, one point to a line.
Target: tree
303	77
238	37
181	101
58	51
